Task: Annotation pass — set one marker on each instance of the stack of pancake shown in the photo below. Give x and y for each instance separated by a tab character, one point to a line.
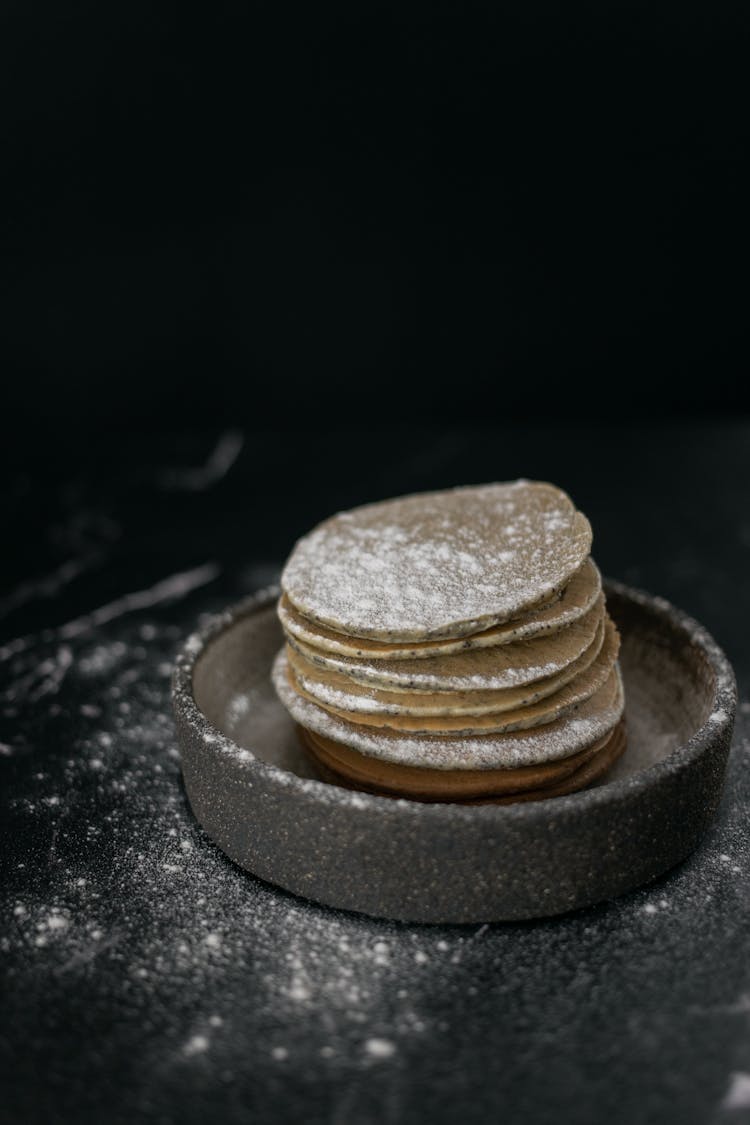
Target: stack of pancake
453	646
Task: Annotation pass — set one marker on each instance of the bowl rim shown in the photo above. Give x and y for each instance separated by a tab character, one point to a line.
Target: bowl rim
719	721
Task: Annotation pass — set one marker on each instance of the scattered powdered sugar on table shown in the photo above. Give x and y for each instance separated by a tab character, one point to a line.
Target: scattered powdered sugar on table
445	562
214	986
143	897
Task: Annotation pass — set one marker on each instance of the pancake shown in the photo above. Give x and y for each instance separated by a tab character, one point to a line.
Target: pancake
594	718
453	646
579	689
438	565
337	694
347	767
595	768
576	599
504	666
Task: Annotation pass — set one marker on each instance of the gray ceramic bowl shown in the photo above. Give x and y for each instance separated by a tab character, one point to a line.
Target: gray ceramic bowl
257	796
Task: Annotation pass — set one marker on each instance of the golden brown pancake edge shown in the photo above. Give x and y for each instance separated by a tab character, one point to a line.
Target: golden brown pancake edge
353	770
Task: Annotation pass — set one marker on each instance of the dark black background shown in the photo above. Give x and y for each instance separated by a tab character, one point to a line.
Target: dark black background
387	212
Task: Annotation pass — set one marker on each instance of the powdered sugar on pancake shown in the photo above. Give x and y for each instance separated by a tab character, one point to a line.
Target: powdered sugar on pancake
513	709
440	564
576	599
493	669
594	719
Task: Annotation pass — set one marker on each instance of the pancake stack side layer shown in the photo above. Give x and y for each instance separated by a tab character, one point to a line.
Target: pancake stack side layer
453	646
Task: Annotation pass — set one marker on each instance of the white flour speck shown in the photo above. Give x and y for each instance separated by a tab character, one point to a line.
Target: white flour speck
738	1094
196	1045
380	1048
57	922
380	949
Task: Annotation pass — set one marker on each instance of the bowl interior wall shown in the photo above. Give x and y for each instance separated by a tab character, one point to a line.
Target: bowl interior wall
669	687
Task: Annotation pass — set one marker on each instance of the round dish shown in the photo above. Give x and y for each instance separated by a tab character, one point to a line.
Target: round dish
256	794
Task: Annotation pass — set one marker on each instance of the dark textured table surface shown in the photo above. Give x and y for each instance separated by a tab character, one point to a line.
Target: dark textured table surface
146	979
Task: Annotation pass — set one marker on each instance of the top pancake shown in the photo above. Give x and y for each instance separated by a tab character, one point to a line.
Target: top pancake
579	595
438	564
